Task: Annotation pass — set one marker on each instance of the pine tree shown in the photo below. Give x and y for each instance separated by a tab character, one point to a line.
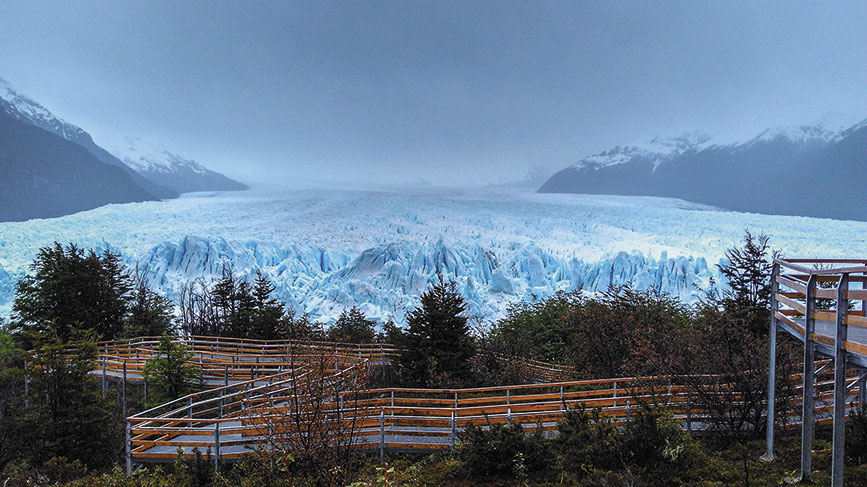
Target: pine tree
748	273
65	415
268	313
168	374
438	345
72	290
352	327
149	313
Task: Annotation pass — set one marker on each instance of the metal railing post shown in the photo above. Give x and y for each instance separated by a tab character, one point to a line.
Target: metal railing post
808	408
104	380
454	430
127	449
123	389
381	435
840	389
217	446
772	368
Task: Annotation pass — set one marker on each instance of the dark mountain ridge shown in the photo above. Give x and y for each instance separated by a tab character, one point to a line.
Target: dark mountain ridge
810	172
43	175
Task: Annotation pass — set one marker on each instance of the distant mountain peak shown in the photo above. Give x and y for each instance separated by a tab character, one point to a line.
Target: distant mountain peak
169	169
24	108
145	156
657	149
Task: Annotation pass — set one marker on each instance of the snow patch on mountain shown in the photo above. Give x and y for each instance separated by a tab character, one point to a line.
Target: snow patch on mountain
27	110
147	157
824	131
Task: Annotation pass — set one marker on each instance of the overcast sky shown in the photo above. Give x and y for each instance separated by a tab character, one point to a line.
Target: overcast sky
448	92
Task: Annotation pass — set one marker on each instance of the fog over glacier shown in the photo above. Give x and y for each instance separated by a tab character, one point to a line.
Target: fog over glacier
329	249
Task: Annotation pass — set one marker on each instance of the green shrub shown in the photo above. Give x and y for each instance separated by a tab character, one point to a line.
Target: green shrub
498	451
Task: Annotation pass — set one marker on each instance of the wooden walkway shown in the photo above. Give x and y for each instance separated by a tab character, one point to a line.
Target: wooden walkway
237	417
822	303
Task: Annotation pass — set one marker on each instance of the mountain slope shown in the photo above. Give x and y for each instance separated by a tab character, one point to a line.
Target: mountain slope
173	171
758	175
28	111
43	175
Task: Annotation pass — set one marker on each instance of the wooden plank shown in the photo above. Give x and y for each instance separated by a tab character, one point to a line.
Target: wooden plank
855	320
825	315
791	283
856	348
800	307
823	339
790	322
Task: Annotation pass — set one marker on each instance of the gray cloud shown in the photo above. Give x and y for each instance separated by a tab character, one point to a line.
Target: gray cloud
445	91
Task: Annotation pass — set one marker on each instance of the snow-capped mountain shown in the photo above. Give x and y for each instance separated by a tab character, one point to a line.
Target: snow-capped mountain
171	170
755	173
28	111
328	250
43	175
161	173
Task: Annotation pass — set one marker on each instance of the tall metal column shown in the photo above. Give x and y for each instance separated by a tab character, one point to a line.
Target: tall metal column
840	389
772	368
808	408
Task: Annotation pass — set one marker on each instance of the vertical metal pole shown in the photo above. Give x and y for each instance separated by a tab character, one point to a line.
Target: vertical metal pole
392	403
381	435
864	286
104	380
456	400
772	368
808	408
688	413
127	450
861	394
614	404
225	375
217	447
123	389
145	392
454	430
840	392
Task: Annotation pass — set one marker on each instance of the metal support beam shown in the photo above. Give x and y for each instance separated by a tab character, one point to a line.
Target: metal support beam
808	409
104	380
772	369
840	389
123	390
127	450
217	446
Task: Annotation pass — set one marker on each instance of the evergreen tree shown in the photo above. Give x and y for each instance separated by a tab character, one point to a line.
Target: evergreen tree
149	313
748	272
438	345
64	414
168	374
352	327
72	290
268	312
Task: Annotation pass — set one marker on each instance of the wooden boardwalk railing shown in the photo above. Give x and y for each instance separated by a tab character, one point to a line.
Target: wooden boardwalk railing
821	302
235	421
223	361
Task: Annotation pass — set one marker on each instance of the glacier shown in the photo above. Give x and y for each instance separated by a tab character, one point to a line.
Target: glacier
326	250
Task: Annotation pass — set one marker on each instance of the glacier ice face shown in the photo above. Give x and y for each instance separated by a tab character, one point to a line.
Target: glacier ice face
327	250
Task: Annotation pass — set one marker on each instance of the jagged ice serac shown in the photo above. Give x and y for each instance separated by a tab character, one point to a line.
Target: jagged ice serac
379	250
